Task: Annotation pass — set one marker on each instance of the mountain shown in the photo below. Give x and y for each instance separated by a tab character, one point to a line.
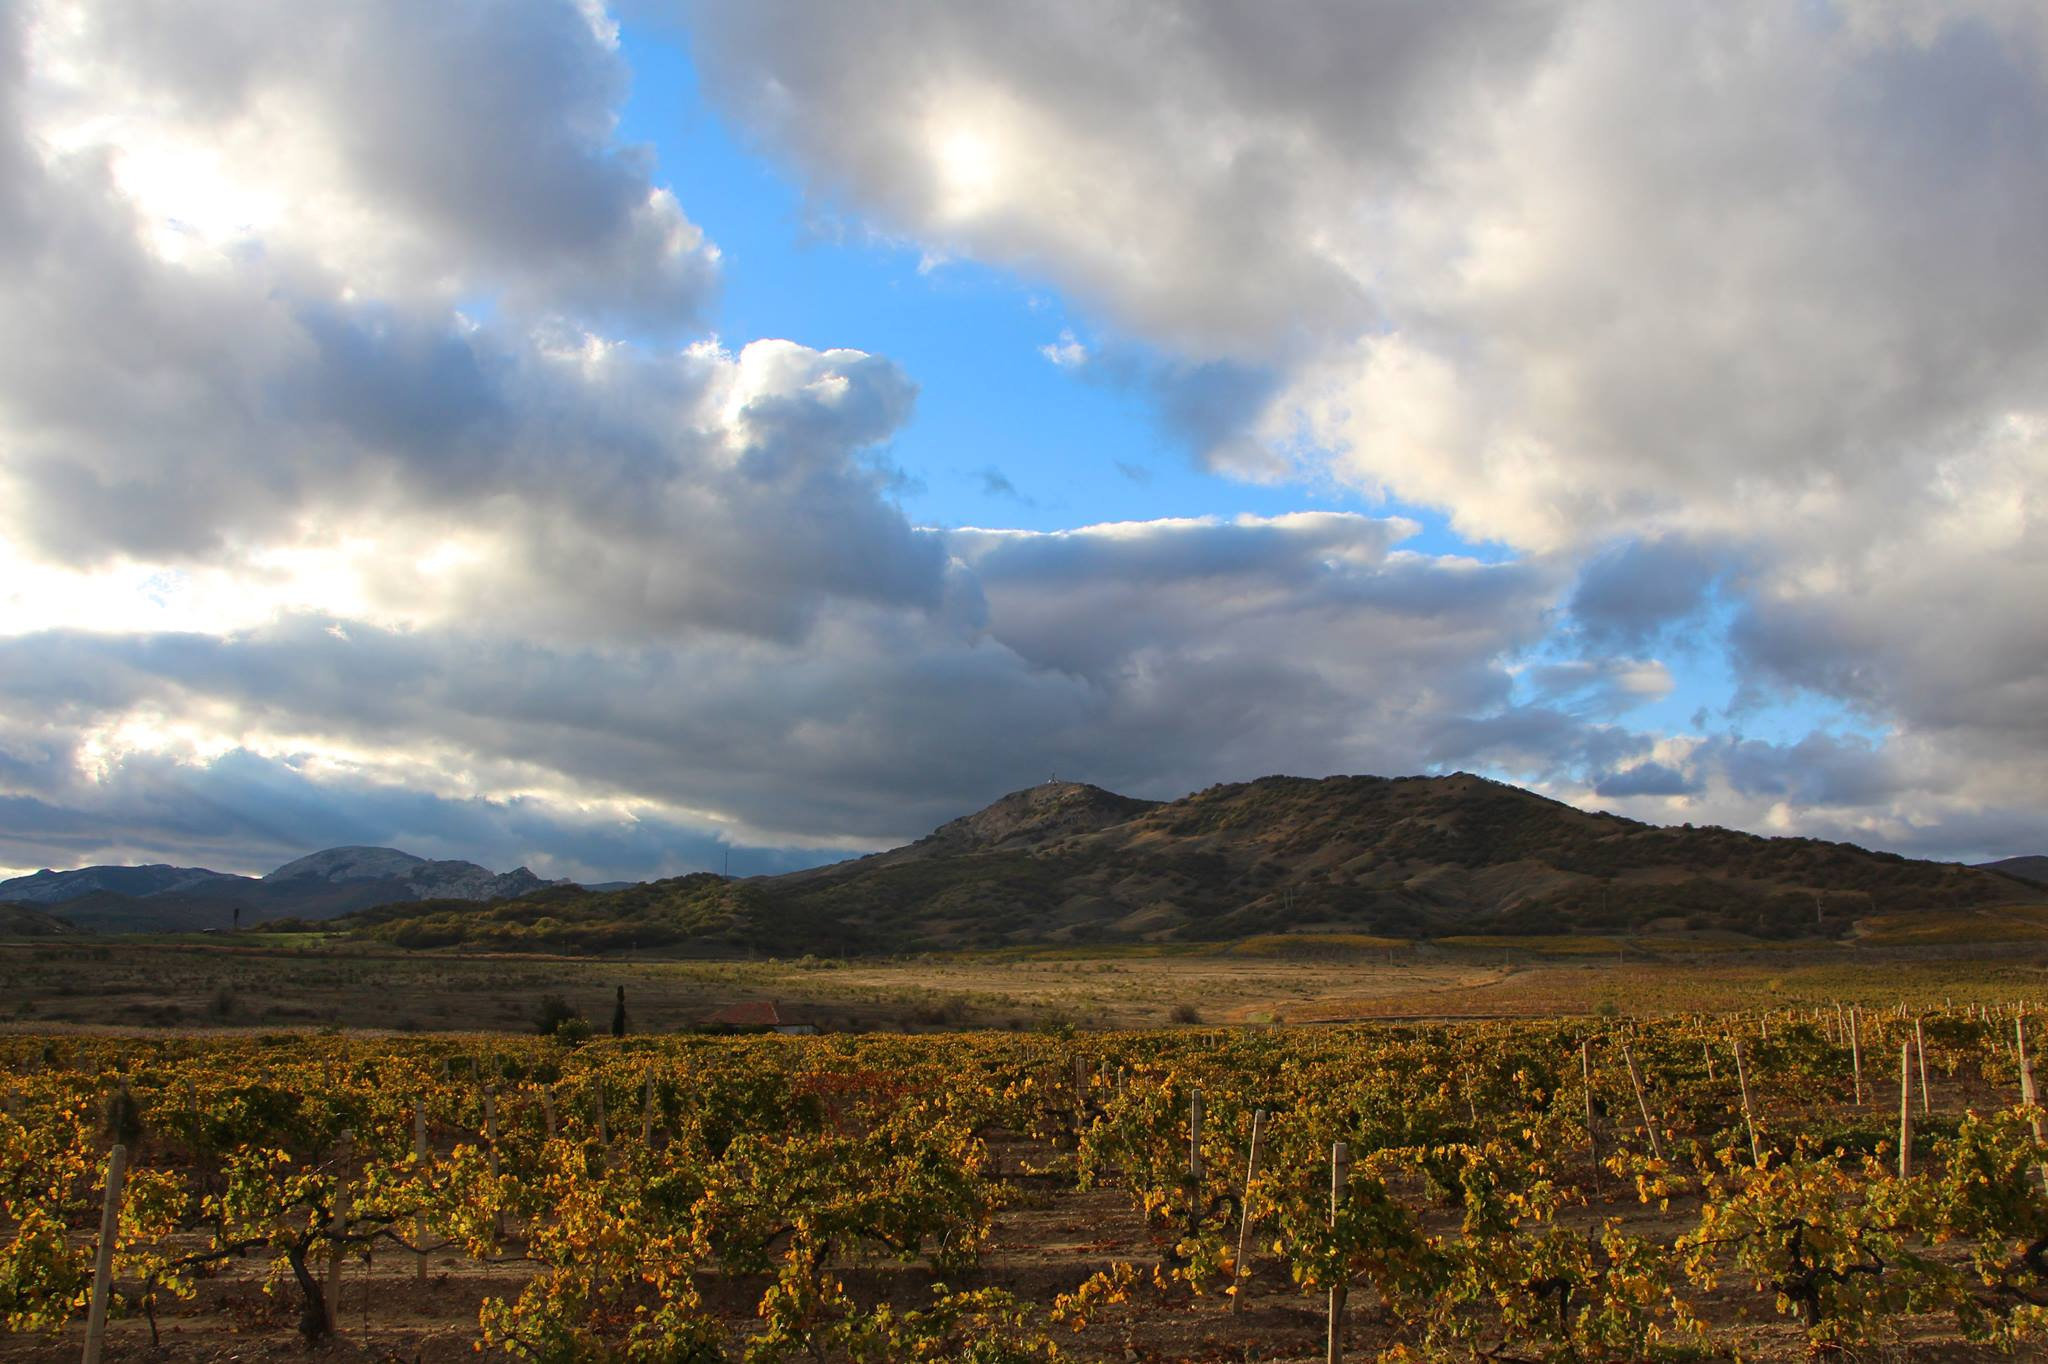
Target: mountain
1408	857
1021	822
54	887
159	898
348	864
423	879
2030	868
22	921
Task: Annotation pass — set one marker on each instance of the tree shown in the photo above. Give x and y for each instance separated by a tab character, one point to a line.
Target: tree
619	1014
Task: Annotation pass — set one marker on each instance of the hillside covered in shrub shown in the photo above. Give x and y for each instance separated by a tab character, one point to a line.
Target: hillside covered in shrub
1408	857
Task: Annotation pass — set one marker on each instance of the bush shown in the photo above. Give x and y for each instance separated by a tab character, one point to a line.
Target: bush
121	1117
1186	1013
554	1012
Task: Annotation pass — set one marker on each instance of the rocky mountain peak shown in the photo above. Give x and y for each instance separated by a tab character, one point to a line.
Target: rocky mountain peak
1035	816
347	864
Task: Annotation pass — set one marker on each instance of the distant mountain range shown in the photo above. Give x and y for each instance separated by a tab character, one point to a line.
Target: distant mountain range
2033	868
160	898
1407	857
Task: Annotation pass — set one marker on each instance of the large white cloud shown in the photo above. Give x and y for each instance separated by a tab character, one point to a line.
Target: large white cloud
446	150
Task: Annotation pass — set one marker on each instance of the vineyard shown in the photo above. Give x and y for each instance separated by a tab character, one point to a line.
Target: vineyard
1701	1187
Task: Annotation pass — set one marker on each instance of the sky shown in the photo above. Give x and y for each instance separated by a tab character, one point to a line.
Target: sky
616	440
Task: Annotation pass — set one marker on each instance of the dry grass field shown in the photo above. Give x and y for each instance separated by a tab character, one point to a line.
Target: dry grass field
307	981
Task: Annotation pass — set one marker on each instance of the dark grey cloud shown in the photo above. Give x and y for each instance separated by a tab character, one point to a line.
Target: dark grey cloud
1549	745
996	483
1819	769
1208	407
1632	593
1646	779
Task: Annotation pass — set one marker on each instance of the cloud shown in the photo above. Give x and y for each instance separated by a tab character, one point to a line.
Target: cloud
249	813
370	479
1067	352
1208	407
463	149
1607	687
1154	657
1633	592
1648	778
1729	309
1804	248
996	483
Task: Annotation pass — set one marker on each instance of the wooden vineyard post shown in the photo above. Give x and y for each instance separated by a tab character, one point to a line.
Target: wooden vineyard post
1856	1053
1905	1110
1194	1161
419	1221
1708	1052
1920	1051
603	1138
491	1156
647	1111
1756	1149
1340	1179
1244	1213
547	1109
1592	1141
1080	1095
337	1228
2019	1031
2028	1096
1642	1104
103	1257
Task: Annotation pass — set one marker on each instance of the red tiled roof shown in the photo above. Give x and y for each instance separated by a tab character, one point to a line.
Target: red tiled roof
759	1013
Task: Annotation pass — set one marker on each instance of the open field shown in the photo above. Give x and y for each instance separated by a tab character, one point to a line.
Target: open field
307	981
